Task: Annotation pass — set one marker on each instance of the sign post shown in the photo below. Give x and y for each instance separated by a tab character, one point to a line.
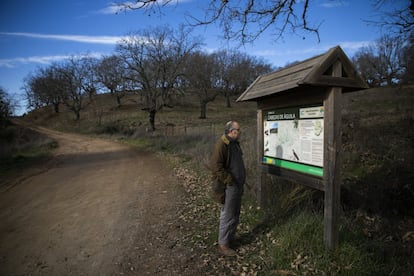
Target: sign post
332	162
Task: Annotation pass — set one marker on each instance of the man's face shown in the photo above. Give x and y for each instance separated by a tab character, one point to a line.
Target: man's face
235	132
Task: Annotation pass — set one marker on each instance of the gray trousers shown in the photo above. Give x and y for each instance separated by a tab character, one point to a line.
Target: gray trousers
229	214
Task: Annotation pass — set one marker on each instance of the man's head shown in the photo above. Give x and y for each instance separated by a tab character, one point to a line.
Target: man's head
232	129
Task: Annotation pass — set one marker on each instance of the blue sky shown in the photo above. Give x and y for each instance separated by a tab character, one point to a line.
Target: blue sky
35	33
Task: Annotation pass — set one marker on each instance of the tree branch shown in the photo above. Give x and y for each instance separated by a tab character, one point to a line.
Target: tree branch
245	20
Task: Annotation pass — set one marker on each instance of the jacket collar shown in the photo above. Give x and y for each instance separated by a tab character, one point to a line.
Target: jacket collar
225	139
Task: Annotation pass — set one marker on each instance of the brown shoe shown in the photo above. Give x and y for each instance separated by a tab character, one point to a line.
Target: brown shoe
226	250
236	241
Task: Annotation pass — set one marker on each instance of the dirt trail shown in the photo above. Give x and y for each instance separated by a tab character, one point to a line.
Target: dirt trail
97	208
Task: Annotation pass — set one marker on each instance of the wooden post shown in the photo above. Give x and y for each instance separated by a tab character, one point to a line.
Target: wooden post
332	161
260	175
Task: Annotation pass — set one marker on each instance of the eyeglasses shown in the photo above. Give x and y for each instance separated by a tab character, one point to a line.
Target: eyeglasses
238	129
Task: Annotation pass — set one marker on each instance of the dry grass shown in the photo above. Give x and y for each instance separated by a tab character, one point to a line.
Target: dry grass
21	148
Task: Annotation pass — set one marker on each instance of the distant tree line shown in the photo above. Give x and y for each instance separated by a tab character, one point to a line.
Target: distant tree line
158	63
388	61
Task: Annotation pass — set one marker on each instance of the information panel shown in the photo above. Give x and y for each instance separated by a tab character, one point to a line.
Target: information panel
293	139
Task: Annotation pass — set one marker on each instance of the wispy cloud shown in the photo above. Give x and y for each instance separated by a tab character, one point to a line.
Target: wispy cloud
74	38
334	3
281	57
114	8
348	46
284	53
11	63
42	60
353	46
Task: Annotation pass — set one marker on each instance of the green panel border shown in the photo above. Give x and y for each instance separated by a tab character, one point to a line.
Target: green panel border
308	169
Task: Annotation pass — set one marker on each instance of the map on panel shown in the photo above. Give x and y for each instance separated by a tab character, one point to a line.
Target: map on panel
293	138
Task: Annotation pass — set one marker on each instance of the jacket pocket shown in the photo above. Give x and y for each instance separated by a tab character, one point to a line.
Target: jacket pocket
218	191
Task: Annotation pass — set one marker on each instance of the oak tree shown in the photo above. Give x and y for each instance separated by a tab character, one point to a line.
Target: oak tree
155	58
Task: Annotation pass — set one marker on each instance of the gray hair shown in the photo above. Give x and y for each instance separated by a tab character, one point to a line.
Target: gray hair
229	127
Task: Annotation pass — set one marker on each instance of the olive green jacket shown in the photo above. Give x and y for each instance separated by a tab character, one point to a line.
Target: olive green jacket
220	160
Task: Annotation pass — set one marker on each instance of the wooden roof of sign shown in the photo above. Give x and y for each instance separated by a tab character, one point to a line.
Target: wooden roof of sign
316	71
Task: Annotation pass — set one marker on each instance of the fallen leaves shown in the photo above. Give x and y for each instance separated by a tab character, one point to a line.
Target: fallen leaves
409	236
200	216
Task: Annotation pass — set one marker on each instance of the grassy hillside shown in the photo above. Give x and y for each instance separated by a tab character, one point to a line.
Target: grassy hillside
21	148
377	223
378	136
102	112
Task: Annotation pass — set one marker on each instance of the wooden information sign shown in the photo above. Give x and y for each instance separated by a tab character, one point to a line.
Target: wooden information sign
299	127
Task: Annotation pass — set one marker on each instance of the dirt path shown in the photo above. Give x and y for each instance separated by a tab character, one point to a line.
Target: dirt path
97	208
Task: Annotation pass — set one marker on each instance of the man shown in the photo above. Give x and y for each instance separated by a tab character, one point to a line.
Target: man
228	167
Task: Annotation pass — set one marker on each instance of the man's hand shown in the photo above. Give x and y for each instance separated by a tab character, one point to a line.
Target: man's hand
229	180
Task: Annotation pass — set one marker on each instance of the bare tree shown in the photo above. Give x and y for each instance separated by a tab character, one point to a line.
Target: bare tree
68	82
397	19
382	63
202	74
112	74
408	77
77	83
44	88
5	107
155	58
33	94
87	66
244	20
239	71
226	73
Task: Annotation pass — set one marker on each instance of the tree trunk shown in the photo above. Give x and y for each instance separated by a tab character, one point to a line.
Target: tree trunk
56	107
152	119
77	115
118	100
203	109
228	100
